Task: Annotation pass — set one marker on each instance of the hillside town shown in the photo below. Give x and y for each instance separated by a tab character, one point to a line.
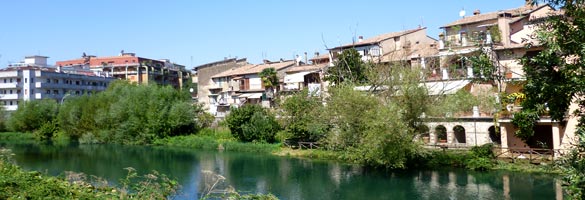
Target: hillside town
480	55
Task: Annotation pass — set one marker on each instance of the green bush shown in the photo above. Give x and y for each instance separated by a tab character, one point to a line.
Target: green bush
252	123
479	164
484	151
46	131
129	114
31	115
303	118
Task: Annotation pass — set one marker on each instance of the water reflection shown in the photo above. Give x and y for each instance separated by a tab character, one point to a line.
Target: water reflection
287	178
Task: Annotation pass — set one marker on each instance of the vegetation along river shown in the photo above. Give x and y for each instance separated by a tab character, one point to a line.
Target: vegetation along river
287	178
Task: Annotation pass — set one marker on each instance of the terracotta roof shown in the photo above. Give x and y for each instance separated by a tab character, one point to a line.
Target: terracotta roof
307	68
254	69
321	56
516	12
379	38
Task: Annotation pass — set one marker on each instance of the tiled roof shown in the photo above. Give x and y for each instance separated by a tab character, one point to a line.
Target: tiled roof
307	68
254	68
379	38
516	12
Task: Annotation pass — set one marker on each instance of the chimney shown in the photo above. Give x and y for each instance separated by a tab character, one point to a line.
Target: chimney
476	12
316	54
306	58
360	38
504	26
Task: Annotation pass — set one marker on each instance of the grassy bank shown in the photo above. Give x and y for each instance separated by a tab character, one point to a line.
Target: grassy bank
216	139
16	183
16	136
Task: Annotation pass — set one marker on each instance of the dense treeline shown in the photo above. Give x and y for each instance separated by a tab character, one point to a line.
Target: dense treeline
124	113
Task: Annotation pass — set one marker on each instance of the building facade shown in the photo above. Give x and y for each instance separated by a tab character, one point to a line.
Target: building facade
205	84
128	66
34	80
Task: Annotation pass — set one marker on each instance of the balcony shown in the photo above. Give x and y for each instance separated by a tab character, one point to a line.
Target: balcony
11	85
9	96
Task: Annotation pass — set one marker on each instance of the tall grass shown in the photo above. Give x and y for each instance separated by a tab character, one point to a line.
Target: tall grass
16	136
216	139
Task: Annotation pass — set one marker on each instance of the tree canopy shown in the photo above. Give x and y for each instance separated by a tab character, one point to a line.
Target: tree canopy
348	67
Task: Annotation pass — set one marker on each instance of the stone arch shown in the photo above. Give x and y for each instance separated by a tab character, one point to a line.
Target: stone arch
441	133
459	133
494	133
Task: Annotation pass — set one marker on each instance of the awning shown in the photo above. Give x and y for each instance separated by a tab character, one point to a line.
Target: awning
445	87
255	96
244	95
296	77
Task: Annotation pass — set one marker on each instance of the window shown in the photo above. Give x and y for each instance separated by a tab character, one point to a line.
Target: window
10	91
11	80
56	80
55	91
25	79
4	80
48	80
18	80
48	92
10	102
17	91
76	82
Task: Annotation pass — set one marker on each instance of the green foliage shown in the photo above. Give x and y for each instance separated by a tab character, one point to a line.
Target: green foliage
554	77
31	115
46	131
479	164
130	114
484	151
348	68
525	120
252	123
483	67
18	184
214	139
269	77
461	101
349	111
303	118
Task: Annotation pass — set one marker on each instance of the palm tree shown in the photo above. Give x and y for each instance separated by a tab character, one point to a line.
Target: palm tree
269	79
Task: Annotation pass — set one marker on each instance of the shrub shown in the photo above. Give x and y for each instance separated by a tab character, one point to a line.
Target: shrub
303	117
479	163
46	131
484	151
31	115
252	123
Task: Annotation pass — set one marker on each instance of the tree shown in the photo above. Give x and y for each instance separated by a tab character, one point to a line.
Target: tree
348	67
252	123
269	78
302	117
555	78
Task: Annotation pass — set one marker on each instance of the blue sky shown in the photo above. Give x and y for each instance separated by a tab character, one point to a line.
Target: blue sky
196	32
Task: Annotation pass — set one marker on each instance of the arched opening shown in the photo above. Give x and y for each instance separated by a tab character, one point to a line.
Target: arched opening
495	135
424	133
459	132
441	133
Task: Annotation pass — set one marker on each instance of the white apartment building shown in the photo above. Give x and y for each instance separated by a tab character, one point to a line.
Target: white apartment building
33	79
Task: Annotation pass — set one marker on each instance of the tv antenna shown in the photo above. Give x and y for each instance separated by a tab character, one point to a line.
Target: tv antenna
462	12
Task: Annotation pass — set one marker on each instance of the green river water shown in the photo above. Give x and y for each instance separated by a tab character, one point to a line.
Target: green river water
287	178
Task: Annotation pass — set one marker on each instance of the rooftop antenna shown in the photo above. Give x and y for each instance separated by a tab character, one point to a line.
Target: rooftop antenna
422	21
462	12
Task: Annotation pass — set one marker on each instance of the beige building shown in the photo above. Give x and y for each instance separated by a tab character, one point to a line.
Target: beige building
242	85
503	36
205	84
410	46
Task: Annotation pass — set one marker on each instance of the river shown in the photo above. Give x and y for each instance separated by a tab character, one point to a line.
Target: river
287	178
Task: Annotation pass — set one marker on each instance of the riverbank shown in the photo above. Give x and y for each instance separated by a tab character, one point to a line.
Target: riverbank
221	140
16	183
